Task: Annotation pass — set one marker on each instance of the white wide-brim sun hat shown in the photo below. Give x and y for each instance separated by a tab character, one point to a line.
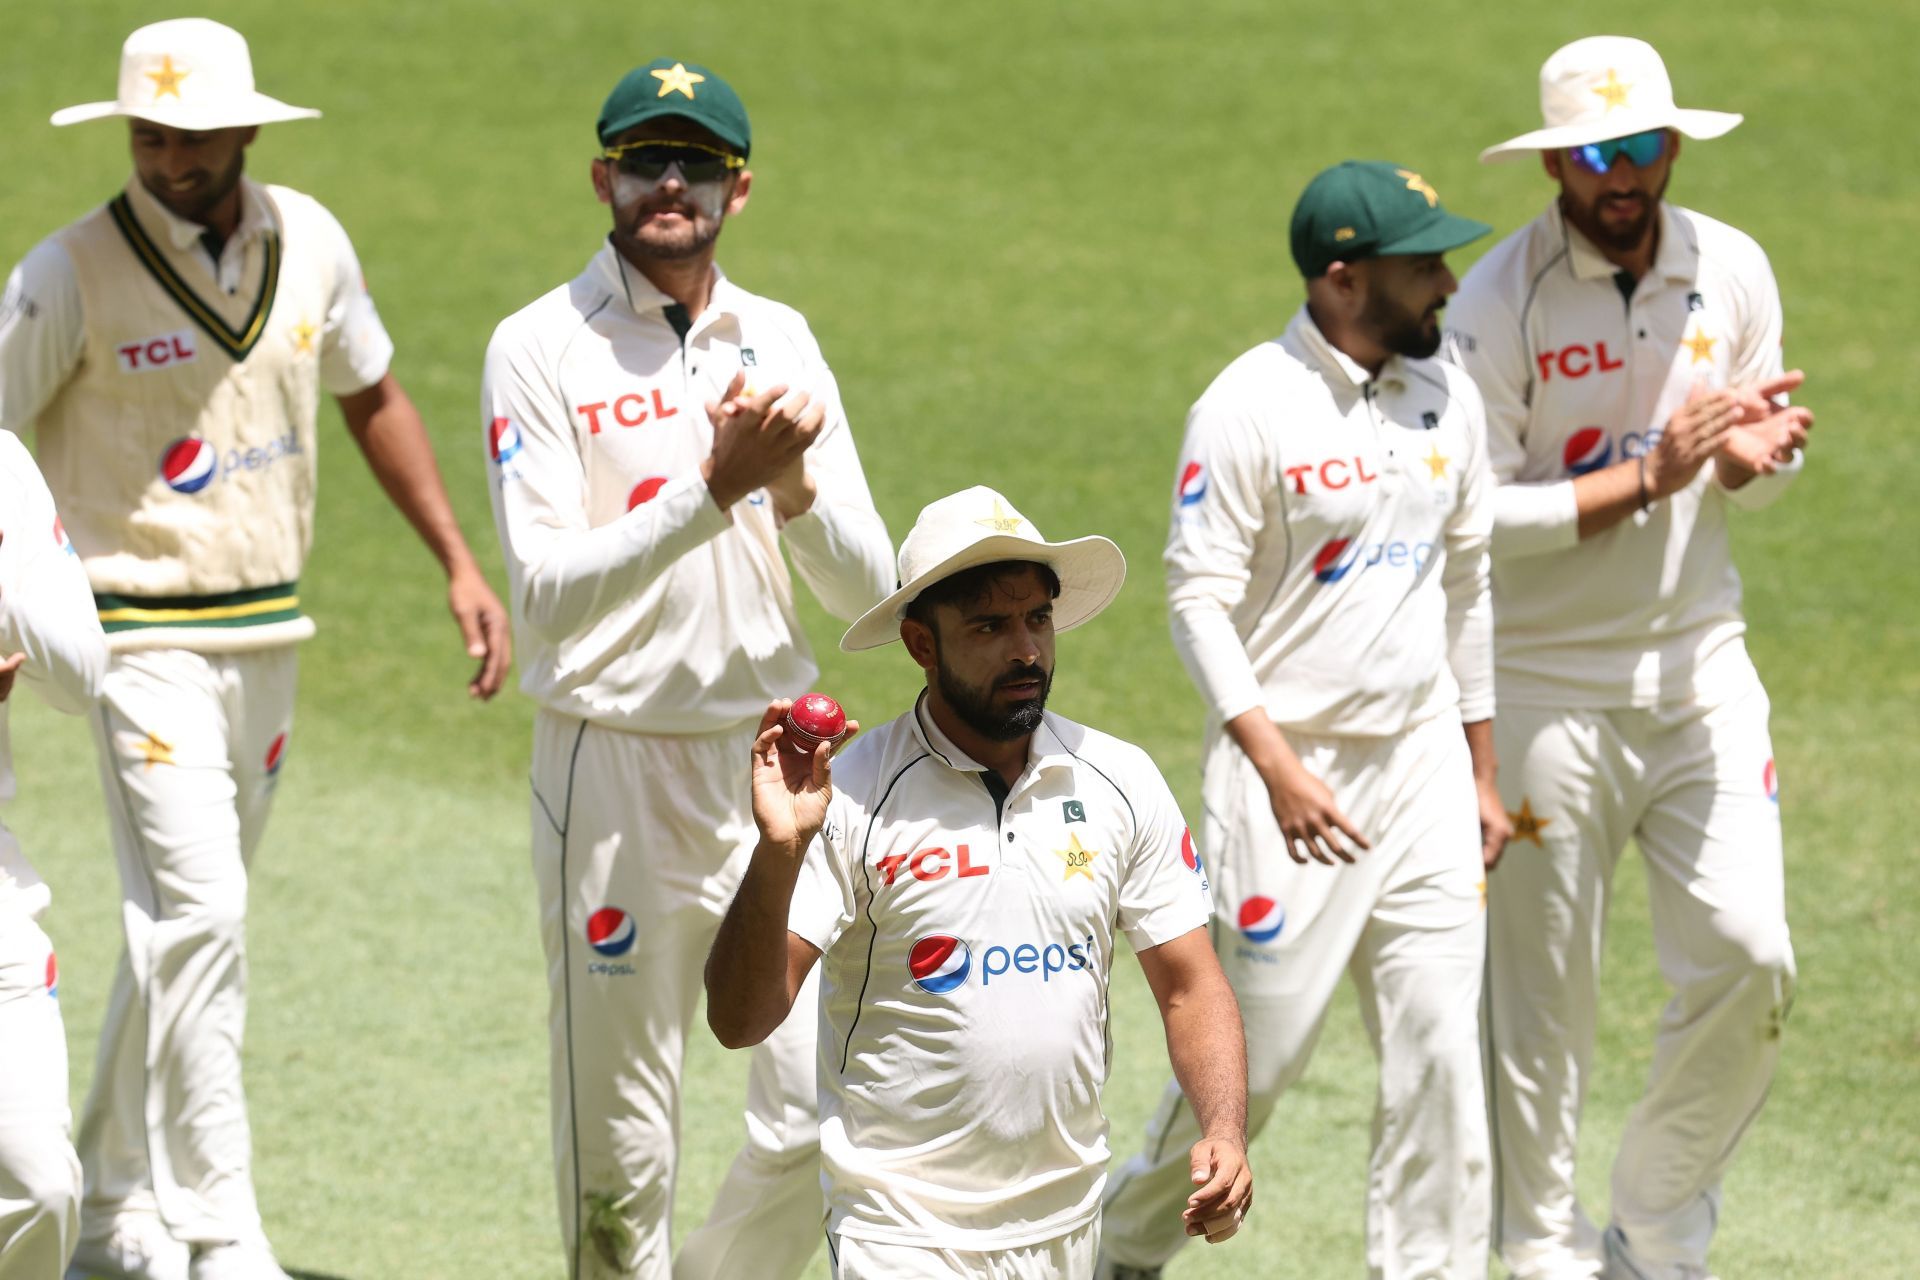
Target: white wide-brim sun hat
188	73
978	526
1607	87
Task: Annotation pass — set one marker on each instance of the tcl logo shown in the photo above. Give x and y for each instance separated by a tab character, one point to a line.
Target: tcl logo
157	353
629	410
932	864
1577	361
1334	473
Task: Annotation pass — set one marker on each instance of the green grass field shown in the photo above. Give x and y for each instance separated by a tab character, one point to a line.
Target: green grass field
1027	235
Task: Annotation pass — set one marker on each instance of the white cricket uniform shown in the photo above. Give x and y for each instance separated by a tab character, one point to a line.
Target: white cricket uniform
175	396
653	629
46	612
1628	708
1327	564
967	938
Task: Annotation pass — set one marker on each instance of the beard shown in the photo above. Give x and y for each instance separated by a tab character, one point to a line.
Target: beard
702	211
974	704
1403	332
1621	237
198	205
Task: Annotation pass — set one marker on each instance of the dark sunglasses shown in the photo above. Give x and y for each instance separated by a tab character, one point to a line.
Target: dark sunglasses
1640	149
650	160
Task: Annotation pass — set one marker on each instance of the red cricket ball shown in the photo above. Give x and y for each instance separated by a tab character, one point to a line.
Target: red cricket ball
813	718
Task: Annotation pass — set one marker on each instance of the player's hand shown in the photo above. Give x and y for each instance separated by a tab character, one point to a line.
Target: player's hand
1311	824
790	791
1690	438
757	438
9	668
1224	1189
483	625
1496	828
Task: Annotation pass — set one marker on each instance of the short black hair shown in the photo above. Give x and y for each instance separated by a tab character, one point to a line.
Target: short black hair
973	584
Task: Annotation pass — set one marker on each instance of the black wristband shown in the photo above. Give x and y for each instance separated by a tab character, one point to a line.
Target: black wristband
1645	501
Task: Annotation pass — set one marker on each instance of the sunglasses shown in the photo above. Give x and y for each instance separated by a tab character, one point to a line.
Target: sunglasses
1640	149
649	160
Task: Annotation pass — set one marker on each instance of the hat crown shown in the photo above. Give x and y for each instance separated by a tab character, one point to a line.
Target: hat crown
1602	76
184	60
952	524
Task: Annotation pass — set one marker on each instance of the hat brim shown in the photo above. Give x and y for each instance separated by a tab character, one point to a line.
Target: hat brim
1699	125
1090	569
665	109
237	113
1438	235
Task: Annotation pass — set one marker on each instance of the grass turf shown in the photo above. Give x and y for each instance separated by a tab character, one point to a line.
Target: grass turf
1027	236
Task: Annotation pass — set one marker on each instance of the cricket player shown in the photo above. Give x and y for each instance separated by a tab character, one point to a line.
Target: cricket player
963	871
1327	586
170	348
657	434
1629	353
50	638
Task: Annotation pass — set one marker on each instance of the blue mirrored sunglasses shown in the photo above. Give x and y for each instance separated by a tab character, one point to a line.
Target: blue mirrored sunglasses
1640	149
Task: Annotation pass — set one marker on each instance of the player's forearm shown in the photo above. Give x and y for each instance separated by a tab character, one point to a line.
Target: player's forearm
388	429
1610	495
748	993
1486	763
1271	755
1208	1050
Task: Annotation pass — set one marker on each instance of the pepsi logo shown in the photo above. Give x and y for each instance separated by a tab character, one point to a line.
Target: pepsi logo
60	538
276	754
1332	562
1262	919
610	931
1188	854
1770	779
645	491
189	464
53	976
939	963
503	440
1193	484
1587	449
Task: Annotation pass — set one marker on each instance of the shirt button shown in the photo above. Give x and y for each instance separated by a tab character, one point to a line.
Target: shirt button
1009	837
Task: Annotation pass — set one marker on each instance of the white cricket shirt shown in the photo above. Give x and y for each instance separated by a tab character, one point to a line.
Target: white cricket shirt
46	612
637	602
1328	552
1577	375
967	951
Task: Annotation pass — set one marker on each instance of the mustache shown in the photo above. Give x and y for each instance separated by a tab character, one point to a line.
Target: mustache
1031	671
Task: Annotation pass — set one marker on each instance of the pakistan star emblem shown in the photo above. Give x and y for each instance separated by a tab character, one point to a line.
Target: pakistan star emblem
1079	859
1000	521
676	79
1613	91
1417	183
1526	826
167	79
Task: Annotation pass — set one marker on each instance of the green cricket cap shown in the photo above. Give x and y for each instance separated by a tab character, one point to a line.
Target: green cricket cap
670	87
1369	209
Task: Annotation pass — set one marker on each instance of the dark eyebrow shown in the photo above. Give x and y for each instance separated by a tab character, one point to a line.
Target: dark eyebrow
987	617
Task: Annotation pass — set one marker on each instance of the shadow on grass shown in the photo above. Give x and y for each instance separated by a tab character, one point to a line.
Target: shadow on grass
298	1274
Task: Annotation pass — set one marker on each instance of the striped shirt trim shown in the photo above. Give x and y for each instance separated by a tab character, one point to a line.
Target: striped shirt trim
237	343
256	606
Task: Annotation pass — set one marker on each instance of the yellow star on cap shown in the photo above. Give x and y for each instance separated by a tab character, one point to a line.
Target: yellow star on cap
1079	860
1000	521
1700	345
1613	91
1525	825
156	751
167	79
676	79
1417	183
303	336
1437	462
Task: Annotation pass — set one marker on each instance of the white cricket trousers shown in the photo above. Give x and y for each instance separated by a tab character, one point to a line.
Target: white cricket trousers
1069	1257
190	746
1406	920
1695	788
638	845
39	1173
